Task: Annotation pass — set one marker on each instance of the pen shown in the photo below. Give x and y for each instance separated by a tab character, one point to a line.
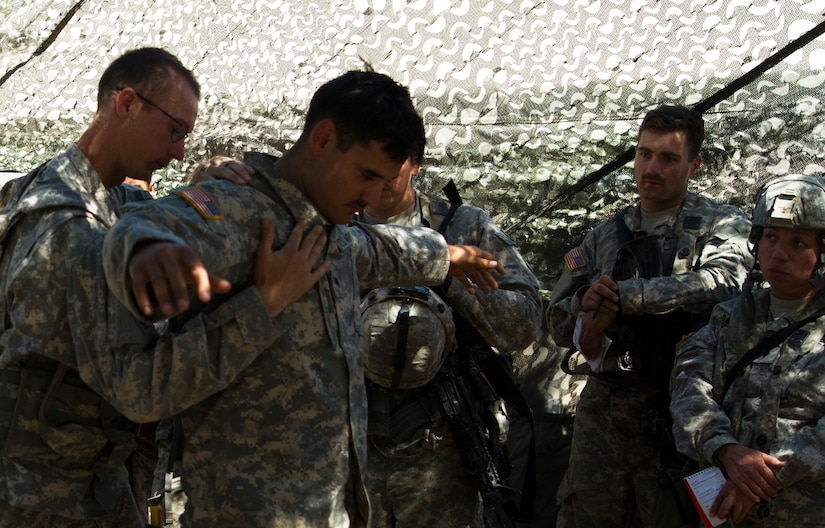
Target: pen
730	521
598	307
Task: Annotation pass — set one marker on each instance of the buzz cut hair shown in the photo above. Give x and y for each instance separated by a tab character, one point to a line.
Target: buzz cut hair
145	69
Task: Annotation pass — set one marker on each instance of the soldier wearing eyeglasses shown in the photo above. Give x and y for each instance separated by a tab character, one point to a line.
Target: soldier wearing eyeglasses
62	447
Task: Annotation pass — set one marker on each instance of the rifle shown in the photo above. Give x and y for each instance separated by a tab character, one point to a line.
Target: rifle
471	388
473	407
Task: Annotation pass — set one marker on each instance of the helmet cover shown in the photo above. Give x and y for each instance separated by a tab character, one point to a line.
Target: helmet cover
415	319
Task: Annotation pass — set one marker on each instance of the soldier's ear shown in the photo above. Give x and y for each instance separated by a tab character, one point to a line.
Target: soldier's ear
323	136
695	164
124	101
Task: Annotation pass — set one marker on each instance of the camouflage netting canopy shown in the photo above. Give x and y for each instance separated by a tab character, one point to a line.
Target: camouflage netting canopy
521	99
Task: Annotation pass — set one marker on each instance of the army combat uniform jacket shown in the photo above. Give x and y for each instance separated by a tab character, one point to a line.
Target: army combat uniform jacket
64	343
711	261
509	317
421	484
775	405
286	443
613	467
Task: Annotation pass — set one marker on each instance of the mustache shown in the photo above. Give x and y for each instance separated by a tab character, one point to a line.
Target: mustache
652	178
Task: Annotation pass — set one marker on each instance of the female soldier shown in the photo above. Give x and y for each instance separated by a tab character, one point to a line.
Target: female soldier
747	388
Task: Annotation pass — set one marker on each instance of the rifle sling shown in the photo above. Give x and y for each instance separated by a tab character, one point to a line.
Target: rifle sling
762	348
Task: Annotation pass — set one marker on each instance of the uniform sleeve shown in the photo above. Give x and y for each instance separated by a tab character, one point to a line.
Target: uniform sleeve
119	244
799	415
718	275
564	308
578	271
151	380
700	425
394	255
509	318
34	311
804	454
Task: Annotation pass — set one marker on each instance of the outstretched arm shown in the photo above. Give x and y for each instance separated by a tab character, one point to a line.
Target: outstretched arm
161	273
509	316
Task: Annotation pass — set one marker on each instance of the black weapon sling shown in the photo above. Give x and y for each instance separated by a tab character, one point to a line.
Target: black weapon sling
762	348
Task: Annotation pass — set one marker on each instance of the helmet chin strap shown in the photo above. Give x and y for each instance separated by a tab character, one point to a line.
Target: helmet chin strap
818	276
817	279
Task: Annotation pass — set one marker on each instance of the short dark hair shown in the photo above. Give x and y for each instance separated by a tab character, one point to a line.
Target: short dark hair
671	118
145	69
368	106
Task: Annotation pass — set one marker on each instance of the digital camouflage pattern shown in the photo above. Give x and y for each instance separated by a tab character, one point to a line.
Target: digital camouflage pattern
422	482
775	406
508	318
794	200
612	469
63	450
286	443
711	264
548	388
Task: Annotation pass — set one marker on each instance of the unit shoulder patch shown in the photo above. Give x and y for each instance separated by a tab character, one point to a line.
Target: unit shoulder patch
202	202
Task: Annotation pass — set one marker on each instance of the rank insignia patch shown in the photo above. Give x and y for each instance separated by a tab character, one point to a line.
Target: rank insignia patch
574	259
202	203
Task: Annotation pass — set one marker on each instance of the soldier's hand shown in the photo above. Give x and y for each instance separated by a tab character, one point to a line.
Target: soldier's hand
600	306
731	501
283	276
751	471
591	335
601	298
162	273
471	265
222	168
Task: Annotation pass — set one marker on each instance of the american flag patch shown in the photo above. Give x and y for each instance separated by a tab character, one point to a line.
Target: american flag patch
574	259
202	203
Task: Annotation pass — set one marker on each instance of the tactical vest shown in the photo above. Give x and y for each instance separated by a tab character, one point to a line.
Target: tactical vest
53	424
646	344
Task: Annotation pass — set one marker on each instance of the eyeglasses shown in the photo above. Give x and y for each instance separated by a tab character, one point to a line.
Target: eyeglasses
179	132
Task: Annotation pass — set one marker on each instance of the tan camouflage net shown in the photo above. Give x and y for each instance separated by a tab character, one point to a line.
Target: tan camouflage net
520	98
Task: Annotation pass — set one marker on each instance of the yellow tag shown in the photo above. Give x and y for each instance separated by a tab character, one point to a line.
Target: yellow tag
155	515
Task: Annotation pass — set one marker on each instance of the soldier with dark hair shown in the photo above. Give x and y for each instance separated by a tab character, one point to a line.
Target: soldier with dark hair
285	443
627	295
417	470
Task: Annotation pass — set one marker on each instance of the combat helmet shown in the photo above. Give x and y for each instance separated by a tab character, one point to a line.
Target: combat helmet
409	331
794	200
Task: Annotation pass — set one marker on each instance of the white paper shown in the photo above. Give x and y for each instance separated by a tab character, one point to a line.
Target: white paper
704	486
